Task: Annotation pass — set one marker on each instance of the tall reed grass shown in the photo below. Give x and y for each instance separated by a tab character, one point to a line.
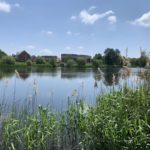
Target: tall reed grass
119	120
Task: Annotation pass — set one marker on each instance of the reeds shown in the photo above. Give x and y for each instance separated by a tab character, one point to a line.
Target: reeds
119	120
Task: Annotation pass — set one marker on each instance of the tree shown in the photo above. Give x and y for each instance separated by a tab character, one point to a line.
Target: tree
7	60
2	53
40	60
81	62
98	56
29	62
70	63
113	57
53	62
96	62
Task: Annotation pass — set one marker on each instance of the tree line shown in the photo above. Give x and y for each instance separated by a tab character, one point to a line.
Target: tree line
111	57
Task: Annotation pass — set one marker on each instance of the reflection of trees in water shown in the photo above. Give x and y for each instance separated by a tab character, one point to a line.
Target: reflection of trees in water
109	74
75	73
6	72
44	71
24	75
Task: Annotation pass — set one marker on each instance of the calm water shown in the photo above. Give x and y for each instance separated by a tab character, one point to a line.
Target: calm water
55	86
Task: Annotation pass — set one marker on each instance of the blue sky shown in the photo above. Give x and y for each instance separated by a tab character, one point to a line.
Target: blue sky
52	27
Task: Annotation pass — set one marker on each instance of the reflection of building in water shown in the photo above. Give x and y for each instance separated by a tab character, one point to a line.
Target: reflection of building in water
24	75
75	73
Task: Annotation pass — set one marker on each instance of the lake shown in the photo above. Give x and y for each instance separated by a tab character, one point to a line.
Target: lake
55	86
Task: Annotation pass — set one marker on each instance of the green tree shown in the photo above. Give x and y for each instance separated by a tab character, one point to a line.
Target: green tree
7	60
2	53
98	56
53	62
70	63
40	60
81	62
113	57
29	62
96	62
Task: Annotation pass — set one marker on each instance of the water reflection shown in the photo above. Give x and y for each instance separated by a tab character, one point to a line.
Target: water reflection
53	86
111	76
107	75
24	74
6	72
75	73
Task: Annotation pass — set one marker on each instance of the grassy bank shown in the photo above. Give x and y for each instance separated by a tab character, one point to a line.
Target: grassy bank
119	120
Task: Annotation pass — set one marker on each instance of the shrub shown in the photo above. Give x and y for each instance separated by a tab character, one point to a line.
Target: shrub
81	62
29	62
70	63
96	63
40	60
53	62
7	60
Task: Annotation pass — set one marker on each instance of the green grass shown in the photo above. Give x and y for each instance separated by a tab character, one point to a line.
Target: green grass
119	120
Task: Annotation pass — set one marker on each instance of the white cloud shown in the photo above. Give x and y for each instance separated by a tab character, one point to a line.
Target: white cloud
88	18
143	21
17	5
67	48
73	17
92	8
112	19
5	7
69	32
49	32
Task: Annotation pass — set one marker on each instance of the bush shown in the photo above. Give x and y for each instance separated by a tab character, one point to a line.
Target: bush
8	60
81	62
40	60
29	62
96	62
70	63
53	62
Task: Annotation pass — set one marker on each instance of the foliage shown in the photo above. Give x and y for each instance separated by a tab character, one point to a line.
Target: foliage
70	63
141	62
119	120
98	56
113	57
40	60
53	62
7	60
96	62
81	62
29	62
2	53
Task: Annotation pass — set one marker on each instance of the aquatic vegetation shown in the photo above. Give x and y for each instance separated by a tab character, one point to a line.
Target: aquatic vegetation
120	119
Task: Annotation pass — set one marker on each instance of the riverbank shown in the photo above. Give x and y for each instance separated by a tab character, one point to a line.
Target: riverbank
119	120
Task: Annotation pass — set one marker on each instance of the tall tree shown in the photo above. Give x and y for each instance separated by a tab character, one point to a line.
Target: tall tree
113	57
